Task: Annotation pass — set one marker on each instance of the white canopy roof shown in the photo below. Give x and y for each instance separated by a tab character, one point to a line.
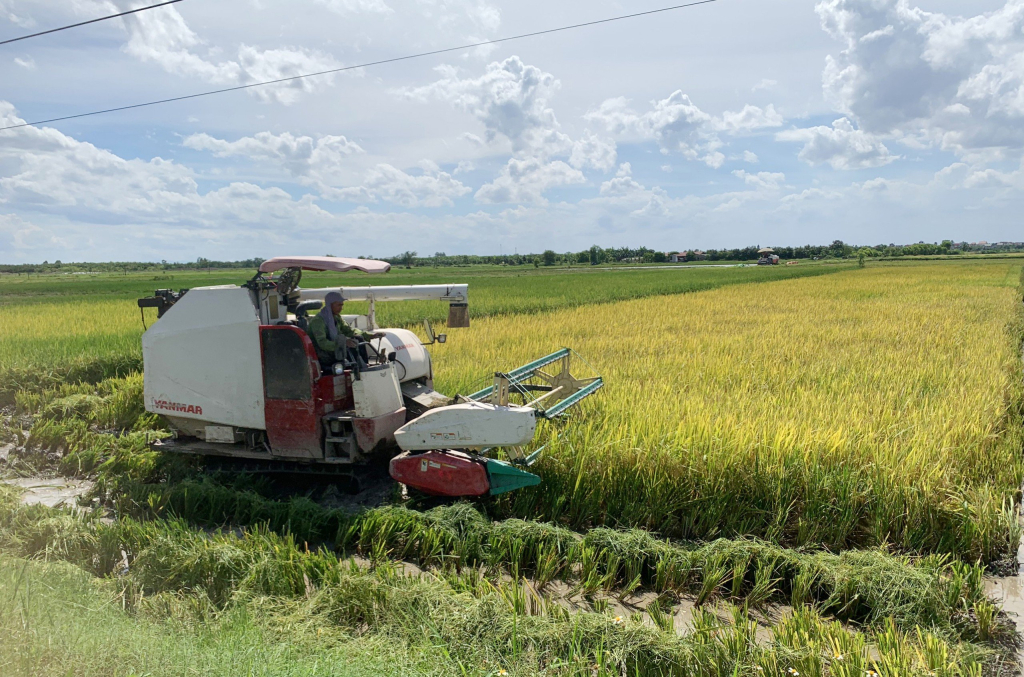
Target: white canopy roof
332	263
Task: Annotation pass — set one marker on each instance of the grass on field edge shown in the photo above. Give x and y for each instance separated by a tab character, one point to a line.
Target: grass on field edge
166	565
861	586
57	619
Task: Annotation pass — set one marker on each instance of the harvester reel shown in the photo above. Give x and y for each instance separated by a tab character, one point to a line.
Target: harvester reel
538	386
564	382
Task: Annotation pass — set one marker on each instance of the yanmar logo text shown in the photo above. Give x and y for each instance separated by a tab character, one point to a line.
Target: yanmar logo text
177	406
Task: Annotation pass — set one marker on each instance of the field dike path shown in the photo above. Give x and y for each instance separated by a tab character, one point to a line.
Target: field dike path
1010	589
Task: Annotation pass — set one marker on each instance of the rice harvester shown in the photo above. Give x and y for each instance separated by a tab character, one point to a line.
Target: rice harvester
233	371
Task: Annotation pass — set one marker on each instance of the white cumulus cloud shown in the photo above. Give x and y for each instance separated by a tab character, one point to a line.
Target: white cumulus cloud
928	78
749	119
593	151
432	188
165	38
623	184
526	180
301	155
841	146
511	99
45	171
679	125
762	180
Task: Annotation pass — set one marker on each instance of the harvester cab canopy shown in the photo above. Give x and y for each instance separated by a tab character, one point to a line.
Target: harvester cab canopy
299	301
324	263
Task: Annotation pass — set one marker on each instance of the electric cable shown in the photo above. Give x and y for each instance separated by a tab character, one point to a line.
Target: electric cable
362	65
90	21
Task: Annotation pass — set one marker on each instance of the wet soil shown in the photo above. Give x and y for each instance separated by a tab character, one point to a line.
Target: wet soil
1008	590
51	491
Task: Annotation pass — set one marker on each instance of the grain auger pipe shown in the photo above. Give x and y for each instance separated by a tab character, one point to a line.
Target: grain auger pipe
456	440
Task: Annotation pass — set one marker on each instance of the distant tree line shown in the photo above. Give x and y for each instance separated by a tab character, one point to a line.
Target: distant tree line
126	267
593	256
597	256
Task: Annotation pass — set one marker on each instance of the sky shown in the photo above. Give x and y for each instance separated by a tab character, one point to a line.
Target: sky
734	123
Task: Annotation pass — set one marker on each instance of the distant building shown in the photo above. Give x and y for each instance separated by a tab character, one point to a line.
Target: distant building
697	255
675	257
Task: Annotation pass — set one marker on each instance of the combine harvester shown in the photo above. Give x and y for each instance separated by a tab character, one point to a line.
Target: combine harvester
234	373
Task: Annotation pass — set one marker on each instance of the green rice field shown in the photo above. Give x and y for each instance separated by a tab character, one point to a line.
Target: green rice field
804	469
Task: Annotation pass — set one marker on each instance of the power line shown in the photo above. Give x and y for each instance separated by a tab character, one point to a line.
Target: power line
362	65
90	21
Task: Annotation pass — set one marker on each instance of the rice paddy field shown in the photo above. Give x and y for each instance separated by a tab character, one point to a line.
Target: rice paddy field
100	324
798	470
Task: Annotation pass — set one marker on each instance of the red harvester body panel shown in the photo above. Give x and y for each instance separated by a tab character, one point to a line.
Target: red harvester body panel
371	431
442	473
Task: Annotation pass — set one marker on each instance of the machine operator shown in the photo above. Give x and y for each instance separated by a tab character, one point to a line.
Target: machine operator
328	330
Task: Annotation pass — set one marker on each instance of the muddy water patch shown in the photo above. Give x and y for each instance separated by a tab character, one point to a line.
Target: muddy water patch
52	492
1008	592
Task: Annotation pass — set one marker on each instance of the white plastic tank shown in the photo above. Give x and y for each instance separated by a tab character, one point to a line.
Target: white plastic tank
203	361
412	361
469	425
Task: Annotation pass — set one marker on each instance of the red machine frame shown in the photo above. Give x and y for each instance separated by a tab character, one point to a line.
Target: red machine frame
295	425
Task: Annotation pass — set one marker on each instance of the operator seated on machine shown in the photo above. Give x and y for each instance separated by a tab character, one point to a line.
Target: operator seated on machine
329	332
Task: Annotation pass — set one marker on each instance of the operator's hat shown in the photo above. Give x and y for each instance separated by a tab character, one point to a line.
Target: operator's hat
333	297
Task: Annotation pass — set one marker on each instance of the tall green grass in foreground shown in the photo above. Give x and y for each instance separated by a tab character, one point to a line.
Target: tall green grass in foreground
481	627
55	619
866	587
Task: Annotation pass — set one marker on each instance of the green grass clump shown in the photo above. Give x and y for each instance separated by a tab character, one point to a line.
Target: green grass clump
864	586
80	428
57	620
471	619
84	366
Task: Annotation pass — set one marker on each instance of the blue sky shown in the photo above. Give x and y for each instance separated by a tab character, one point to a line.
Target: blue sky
734	123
